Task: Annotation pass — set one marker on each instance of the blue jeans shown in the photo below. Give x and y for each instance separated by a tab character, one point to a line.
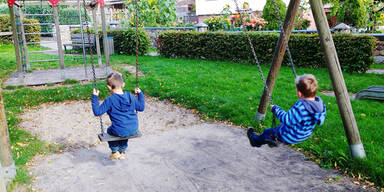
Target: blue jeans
269	136
115	146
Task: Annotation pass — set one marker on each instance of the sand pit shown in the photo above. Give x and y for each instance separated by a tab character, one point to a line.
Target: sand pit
177	152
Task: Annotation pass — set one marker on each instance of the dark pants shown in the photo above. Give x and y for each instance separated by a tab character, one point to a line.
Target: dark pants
269	136
115	146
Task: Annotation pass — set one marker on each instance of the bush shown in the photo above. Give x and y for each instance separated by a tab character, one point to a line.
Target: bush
124	40
5	26
269	14
355	52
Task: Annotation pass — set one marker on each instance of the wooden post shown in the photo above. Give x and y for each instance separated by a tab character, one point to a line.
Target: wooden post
278	57
2	179
6	160
105	39
26	55
15	39
334	69
97	37
82	38
58	39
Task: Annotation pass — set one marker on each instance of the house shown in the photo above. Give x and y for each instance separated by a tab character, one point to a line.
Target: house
208	8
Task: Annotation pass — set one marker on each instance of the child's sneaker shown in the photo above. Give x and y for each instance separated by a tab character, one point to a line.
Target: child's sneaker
122	156
115	155
252	140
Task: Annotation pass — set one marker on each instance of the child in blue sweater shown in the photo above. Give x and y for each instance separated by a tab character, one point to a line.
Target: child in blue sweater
298	123
120	107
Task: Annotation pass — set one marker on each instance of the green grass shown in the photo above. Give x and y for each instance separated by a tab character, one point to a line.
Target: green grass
221	91
377	66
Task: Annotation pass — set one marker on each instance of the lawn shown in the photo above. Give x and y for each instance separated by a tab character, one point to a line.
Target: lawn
222	91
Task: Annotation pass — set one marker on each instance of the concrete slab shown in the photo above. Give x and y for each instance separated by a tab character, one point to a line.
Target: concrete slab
41	77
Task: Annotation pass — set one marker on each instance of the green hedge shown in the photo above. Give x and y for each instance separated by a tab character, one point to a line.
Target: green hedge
355	52
5	26
124	40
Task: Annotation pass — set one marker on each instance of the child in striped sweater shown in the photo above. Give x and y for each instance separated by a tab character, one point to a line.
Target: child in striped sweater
298	123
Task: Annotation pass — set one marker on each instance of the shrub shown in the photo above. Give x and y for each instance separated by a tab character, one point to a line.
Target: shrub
5	26
124	40
269	14
355	52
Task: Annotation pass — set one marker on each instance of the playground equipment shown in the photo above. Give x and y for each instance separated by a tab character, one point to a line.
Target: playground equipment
344	104
17	13
103	136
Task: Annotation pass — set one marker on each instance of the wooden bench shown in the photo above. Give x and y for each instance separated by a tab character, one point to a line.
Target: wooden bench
77	41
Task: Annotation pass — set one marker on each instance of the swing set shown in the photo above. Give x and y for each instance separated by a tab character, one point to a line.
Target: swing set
334	69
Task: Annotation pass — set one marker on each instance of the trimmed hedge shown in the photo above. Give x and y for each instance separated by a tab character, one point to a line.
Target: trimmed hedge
5	26
355	51
124	40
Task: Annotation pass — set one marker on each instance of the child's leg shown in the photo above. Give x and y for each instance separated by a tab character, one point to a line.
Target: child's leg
267	137
123	144
114	146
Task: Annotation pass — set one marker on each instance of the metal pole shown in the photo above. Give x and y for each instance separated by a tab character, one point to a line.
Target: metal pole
82	38
278	56
8	165
105	40
334	69
59	43
26	55
15	39
97	37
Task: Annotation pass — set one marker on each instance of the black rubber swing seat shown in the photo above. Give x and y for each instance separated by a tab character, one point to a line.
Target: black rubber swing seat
106	137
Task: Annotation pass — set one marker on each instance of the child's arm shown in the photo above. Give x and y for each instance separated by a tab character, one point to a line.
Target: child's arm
139	102
289	118
96	108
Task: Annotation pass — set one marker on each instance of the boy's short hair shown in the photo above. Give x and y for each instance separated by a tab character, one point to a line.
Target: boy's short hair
306	84
115	80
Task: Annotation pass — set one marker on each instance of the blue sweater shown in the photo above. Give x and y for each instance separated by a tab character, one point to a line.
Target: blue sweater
297	124
121	110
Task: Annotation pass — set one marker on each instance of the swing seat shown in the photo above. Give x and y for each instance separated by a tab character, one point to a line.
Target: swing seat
107	137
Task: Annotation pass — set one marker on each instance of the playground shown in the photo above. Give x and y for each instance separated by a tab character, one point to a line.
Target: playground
193	132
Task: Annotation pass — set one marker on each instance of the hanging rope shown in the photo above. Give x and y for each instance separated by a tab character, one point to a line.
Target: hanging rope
284	38
256	60
92	62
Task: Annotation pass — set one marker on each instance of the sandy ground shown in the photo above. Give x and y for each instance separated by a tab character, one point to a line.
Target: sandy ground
177	152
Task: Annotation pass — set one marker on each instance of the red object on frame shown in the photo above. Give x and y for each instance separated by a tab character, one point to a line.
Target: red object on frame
54	3
11	2
101	2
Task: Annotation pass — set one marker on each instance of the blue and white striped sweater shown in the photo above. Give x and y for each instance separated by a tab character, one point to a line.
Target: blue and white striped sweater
297	124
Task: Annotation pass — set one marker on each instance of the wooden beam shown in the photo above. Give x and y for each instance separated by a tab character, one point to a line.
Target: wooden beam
105	39
26	54
278	56
97	39
5	145
58	40
15	39
334	69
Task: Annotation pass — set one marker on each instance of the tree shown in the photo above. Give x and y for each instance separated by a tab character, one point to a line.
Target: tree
269	14
376	13
358	13
152	13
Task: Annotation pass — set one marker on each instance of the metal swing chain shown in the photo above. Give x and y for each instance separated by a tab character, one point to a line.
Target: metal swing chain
92	62
257	61
284	38
137	45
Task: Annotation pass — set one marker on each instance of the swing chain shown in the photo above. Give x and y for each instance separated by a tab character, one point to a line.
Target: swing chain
137	45
91	55
284	38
